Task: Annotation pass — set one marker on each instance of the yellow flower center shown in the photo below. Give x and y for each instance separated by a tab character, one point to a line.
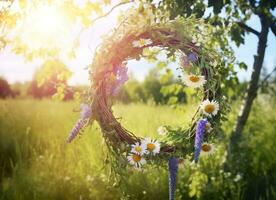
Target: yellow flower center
206	147
209	108
142	42
138	149
194	78
136	158
150	146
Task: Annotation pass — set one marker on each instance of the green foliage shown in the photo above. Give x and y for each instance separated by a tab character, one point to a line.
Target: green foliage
228	20
157	88
50	80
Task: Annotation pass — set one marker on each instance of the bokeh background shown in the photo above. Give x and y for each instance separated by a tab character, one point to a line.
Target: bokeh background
46	48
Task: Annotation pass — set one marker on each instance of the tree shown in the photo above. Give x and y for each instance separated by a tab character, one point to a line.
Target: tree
233	15
262	9
5	90
51	79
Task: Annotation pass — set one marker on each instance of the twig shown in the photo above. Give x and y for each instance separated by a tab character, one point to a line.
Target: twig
106	14
267	77
248	28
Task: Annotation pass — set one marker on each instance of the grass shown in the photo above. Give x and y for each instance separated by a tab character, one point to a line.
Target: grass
34	153
35	162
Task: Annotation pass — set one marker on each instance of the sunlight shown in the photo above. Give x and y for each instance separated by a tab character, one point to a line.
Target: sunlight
45	27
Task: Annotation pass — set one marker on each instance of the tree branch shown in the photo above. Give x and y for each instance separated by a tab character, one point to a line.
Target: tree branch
104	15
273	28
248	28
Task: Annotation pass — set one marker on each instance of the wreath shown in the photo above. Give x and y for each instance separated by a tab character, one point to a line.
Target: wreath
187	39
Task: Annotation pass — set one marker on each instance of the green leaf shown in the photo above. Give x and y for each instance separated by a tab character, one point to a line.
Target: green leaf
242	65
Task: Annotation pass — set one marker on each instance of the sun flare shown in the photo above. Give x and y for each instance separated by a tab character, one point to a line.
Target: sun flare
45	27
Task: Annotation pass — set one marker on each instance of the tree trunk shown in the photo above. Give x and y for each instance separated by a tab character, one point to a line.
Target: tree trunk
252	89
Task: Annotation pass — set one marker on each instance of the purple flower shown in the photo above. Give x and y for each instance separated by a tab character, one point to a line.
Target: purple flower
85	111
173	168
200	129
122	77
192	57
76	130
85	114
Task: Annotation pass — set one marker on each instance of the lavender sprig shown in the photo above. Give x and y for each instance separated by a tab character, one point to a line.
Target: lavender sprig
200	129
173	168
76	130
85	114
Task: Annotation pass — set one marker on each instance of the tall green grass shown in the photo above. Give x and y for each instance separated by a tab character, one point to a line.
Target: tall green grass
36	163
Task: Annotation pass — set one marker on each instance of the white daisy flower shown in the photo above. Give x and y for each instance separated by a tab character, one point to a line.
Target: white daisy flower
141	43
136	160
151	146
209	108
194	81
208	127
161	130
207	149
138	149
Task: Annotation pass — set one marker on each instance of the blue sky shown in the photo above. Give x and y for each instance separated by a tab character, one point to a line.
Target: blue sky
16	69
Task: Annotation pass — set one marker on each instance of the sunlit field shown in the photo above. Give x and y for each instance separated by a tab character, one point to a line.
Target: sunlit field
36	163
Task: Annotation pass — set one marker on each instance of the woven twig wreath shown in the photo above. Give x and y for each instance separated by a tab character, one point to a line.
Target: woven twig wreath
186	38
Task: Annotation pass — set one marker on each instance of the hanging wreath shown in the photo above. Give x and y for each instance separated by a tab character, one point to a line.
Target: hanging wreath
186	39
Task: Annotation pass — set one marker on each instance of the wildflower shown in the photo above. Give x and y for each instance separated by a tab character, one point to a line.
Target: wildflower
138	149
173	168
207	149
192	57
85	111
121	77
210	108
194	81
152	147
136	160
162	130
200	129
141	43
85	114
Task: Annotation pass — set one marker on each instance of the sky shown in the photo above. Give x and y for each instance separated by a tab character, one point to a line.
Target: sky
16	69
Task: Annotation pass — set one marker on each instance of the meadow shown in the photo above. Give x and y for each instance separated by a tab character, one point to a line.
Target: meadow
36	163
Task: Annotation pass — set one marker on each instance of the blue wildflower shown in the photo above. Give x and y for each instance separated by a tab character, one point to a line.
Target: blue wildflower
192	57
173	168
200	129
